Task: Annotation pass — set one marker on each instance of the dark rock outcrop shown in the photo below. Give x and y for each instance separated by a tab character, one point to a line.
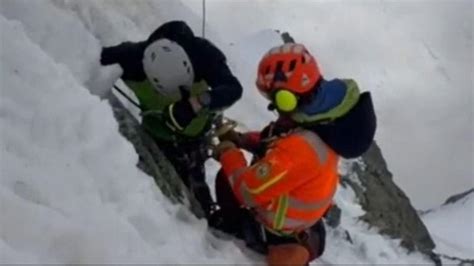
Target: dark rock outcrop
151	160
458	197
386	205
333	216
287	38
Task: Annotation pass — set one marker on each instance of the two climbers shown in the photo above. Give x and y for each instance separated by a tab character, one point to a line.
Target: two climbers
289	186
277	202
182	82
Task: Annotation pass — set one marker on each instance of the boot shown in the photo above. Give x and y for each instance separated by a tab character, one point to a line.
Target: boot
203	196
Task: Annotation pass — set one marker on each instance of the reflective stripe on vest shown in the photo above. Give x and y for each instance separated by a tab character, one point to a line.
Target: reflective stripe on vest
244	190
246	196
316	143
278	218
310	206
235	175
270	219
282	208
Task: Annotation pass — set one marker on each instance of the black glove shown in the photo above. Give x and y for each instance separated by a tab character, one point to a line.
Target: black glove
179	115
114	54
129	56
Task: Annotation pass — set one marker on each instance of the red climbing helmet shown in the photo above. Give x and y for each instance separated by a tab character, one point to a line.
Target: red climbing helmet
289	66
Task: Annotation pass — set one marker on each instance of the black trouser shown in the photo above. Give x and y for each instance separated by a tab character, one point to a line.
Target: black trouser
188	159
241	223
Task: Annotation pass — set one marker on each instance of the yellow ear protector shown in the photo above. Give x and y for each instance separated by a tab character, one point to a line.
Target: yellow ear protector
285	100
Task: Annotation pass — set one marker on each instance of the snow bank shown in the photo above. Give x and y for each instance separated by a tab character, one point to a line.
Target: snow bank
353	242
70	191
452	228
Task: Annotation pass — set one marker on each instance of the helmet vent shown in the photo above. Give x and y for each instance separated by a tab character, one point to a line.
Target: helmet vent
279	66
267	70
280	76
292	65
167	65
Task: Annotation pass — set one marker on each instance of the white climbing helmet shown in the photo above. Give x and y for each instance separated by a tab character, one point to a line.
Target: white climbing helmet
168	67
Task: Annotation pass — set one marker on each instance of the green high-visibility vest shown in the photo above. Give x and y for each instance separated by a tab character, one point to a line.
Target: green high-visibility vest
154	104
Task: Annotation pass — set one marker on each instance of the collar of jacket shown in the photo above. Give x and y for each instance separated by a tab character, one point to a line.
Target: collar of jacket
331	100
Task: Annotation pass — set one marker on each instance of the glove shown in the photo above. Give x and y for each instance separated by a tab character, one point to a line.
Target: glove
108	56
232	136
179	115
113	54
249	141
221	148
129	56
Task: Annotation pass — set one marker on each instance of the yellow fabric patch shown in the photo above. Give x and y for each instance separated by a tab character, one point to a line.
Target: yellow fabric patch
268	183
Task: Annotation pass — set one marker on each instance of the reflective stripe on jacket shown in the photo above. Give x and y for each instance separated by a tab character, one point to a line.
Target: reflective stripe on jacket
291	187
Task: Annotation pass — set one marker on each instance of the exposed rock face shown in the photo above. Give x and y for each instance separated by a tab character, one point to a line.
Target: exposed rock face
333	216
287	38
452	200
457	197
151	160
386	205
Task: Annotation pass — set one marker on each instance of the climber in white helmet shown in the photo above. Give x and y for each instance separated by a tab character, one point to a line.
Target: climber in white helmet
183	82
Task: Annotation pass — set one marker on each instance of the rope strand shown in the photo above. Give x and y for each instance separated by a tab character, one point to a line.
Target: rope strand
128	98
203	18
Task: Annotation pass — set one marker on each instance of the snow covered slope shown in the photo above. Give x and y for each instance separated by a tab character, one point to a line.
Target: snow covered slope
452	227
69	188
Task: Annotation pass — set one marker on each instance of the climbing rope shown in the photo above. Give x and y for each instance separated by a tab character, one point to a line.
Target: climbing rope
127	97
203	18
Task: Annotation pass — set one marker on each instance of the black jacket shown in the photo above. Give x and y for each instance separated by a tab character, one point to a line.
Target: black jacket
209	63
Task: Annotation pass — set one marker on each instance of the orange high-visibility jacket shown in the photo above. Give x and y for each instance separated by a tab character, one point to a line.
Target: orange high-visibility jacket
291	187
